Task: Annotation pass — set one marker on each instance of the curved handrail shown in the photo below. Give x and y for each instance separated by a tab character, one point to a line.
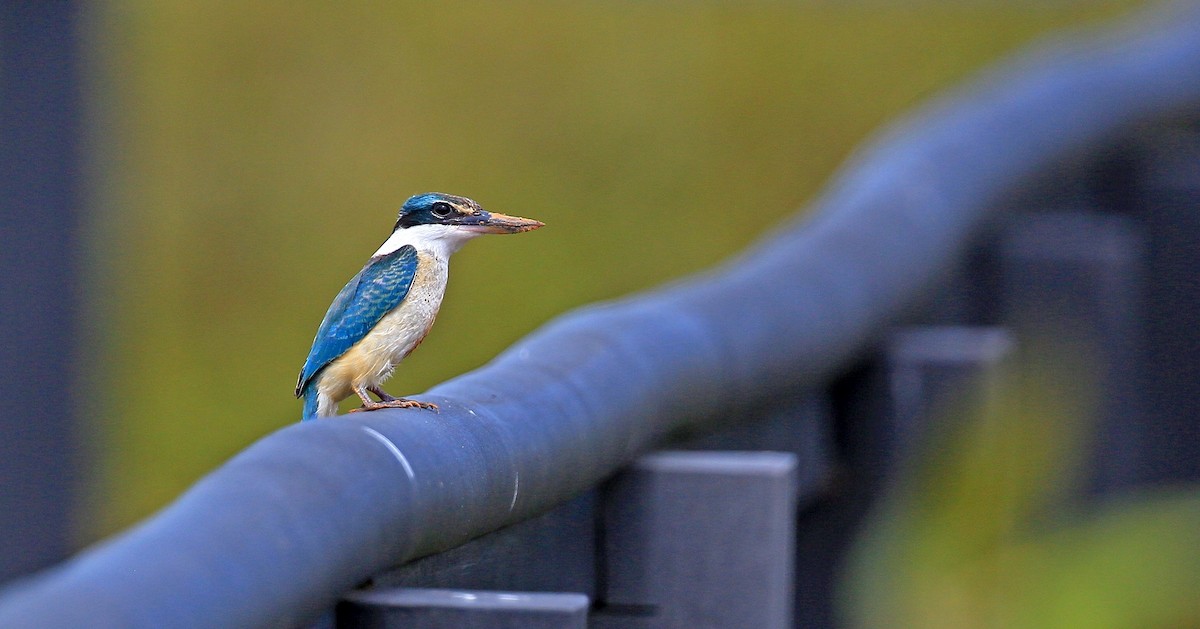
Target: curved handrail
284	528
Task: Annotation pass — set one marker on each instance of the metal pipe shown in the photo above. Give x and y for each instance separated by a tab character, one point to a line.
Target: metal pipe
283	529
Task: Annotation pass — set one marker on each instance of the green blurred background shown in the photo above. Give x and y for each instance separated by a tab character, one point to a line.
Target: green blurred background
250	156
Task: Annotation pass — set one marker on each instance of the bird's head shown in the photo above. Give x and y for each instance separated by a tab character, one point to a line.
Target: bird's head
443	221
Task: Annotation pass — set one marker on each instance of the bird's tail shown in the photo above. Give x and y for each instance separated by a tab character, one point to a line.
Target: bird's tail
311	402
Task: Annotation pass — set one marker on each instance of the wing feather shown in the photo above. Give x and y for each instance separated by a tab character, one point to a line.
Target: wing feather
378	288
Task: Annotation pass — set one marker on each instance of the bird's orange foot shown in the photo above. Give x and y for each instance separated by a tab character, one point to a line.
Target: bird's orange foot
395	402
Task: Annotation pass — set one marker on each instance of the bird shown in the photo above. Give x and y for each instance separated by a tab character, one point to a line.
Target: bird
384	312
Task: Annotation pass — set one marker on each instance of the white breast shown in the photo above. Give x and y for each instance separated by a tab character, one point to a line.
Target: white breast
402	329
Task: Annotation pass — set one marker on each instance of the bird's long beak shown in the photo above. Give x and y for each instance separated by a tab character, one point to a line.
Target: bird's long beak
493	223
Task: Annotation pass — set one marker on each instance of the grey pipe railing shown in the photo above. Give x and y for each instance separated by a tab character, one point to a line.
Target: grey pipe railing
278	533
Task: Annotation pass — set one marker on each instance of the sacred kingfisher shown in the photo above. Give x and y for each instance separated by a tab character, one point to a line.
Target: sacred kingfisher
386	310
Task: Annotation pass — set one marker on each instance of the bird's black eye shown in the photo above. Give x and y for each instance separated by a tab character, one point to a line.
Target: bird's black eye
441	209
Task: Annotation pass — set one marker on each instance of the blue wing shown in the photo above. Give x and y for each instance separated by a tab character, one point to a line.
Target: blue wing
370	295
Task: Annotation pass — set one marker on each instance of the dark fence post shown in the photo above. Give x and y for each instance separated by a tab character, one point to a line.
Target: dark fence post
1075	278
700	539
40	130
554	552
1167	199
927	366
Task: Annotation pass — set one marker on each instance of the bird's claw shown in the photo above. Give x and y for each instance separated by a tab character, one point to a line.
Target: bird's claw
396	403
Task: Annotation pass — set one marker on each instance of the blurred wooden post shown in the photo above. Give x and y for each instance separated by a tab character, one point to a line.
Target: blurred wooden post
1077	278
1166	197
40	166
927	367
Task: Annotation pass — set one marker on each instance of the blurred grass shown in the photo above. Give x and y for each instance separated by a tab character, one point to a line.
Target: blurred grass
252	155
989	530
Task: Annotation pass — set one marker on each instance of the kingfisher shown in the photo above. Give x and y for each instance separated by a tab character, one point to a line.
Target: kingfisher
386	310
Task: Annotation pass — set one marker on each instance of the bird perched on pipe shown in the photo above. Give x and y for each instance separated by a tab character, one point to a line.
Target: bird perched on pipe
386	310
